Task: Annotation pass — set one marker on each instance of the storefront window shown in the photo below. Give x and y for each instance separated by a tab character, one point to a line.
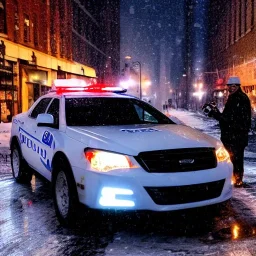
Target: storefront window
8	92
34	87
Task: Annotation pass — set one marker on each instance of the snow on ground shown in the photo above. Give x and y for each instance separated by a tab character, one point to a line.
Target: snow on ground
5	129
190	119
4	145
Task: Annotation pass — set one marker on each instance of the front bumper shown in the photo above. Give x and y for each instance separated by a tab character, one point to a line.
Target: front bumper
139	190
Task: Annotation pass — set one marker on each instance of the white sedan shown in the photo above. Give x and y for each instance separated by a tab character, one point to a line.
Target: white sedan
109	150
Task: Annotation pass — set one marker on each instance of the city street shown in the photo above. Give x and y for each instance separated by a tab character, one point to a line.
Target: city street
91	159
28	225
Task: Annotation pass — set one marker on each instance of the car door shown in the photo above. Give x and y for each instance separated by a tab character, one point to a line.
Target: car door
47	137
29	136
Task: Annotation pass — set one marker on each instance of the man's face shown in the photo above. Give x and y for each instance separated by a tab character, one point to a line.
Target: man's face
232	88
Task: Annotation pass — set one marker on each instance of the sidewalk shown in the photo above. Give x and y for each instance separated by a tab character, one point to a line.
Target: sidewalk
5	163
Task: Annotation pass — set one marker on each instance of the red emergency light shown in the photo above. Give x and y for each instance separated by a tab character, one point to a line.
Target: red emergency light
78	85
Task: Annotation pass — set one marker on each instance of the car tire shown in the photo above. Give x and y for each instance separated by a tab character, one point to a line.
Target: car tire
65	196
20	169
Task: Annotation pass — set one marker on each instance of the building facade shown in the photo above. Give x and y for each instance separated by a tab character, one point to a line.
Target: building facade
48	39
185	89
96	36
231	47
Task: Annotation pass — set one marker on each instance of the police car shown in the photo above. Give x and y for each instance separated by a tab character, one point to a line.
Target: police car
107	150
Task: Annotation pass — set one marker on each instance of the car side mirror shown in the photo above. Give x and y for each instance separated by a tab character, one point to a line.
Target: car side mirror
46	120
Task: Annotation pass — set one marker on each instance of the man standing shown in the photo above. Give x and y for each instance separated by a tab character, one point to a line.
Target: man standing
235	123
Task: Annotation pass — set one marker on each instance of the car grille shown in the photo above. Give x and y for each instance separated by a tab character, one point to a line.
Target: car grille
185	194
178	160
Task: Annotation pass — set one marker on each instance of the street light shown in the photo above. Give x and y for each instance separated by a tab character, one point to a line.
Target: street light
139	64
198	93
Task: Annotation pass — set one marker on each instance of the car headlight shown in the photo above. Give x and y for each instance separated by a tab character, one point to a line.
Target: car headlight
222	155
103	161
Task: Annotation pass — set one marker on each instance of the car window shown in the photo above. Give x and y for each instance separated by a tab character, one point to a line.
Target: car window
144	115
111	111
54	111
40	107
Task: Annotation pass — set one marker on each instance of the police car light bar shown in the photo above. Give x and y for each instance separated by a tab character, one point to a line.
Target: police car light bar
114	89
73	84
69	83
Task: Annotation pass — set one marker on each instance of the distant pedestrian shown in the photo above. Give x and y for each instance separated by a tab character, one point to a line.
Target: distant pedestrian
235	124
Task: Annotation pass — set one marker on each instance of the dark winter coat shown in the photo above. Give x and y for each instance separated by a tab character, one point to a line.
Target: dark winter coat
235	120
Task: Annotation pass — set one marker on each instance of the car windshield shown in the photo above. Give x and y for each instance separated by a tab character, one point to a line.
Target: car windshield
111	111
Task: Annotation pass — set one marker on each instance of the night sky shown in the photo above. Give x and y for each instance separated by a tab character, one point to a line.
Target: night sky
153	32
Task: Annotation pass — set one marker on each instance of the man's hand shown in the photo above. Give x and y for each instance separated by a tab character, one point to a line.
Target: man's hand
211	110
215	113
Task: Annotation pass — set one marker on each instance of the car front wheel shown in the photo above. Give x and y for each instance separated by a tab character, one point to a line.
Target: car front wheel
20	169
64	194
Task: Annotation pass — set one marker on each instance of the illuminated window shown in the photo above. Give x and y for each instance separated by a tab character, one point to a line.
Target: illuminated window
26	28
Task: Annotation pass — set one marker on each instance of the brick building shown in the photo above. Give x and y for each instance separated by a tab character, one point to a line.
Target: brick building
48	39
96	27
231	46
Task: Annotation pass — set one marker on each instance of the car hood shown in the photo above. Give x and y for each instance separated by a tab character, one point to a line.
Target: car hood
133	139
